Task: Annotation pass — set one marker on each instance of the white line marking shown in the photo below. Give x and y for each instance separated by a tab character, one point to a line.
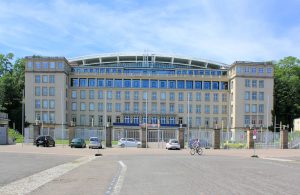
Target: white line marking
278	159
30	183
120	179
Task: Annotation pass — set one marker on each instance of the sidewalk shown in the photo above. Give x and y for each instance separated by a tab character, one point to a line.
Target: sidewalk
66	150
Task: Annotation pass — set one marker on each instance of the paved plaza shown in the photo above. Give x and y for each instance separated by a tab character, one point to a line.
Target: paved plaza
62	170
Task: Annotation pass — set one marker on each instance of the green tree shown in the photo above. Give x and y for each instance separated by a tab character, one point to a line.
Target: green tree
287	90
11	86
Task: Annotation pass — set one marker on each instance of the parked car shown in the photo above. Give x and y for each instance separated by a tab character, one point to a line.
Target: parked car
95	143
44	140
78	143
173	144
129	142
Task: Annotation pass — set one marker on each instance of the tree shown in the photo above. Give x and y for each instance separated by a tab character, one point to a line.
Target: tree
11	86
287	90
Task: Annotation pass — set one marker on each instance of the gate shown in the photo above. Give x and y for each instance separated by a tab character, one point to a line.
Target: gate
205	137
159	138
87	133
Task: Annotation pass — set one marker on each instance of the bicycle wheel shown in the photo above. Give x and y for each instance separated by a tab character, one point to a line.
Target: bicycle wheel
192	151
199	151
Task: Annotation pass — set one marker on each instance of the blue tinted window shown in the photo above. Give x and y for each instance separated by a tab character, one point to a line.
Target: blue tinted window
213	72
207	72
100	82
127	83
118	83
136	83
190	72
162	84
201	72
82	82
215	85
189	84
92	82
218	73
178	71
196	72
180	84
172	84
102	70
198	85
206	85
74	82
145	83
183	72
109	83
108	70
224	85
154	83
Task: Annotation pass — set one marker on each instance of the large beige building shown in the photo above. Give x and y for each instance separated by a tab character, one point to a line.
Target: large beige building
128	90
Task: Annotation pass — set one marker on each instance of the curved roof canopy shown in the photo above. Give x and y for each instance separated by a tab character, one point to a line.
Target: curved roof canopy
119	58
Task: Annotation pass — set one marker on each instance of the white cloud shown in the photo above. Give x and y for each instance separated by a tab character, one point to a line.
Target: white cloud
213	30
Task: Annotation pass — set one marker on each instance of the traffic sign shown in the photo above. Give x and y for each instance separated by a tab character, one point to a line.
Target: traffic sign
254	137
254	132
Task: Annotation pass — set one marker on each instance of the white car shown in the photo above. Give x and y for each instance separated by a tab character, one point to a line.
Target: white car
95	143
173	144
129	142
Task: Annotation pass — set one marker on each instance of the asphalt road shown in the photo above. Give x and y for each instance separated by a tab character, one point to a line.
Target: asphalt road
174	172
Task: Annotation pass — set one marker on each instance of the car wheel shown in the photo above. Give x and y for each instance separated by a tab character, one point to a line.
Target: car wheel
122	145
54	145
37	145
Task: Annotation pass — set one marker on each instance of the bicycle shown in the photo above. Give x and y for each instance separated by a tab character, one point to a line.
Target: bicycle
195	147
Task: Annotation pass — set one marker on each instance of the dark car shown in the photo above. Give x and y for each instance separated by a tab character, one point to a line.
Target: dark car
78	143
44	140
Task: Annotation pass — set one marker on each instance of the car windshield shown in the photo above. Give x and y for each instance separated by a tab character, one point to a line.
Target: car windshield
94	139
174	141
76	140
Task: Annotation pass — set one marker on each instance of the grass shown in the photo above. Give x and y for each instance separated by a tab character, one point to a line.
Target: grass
234	145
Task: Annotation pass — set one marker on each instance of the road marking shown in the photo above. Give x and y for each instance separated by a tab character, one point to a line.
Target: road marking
119	179
279	159
30	183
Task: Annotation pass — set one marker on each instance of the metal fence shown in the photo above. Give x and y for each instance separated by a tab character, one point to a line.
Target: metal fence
85	133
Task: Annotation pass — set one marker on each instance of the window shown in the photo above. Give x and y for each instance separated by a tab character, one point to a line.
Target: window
247	108
74	82
91	94
118	119
172	84
118	83
100	82
224	109
144	95
109	95
51	91
172	108
154	120
38	65
261	83
92	82
118	107
100	120
29	64
216	109
172	120
100	94
52	65
118	95
260	71
253	70
172	96
127	106
224	97
162	107
216	97
198	108
254	83
261	95
144	106
163	95
162	84
207	97
154	107
254	95
180	84
82	106
135	106
82	119
109	83
163	120
180	96
136	120
198	121
60	65
100	107
269	70
127	95
190	109
82	83
136	83
253	108
45	116
207	109
52	117
154	83
45	78
260	108
180	108
44	91
190	96
207	85
127	119
215	85
198	85
91	106
74	106
153	95
82	94
145	83
51	79
37	78
109	107
37	104
247	95
224	85
37	91
45	103
189	84
247	83
74	94
198	96
136	95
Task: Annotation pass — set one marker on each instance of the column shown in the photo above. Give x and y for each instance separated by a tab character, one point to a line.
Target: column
143	136
108	136
283	139
217	138
36	131
181	137
250	141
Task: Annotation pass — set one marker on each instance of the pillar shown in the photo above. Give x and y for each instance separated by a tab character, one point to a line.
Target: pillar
283	139
71	133
250	140
143	137
181	137
217	138
36	131
108	136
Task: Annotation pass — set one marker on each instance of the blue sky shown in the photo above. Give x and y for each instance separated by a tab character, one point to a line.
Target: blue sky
219	30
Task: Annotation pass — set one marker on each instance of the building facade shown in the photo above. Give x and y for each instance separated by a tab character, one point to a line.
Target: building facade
126	91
